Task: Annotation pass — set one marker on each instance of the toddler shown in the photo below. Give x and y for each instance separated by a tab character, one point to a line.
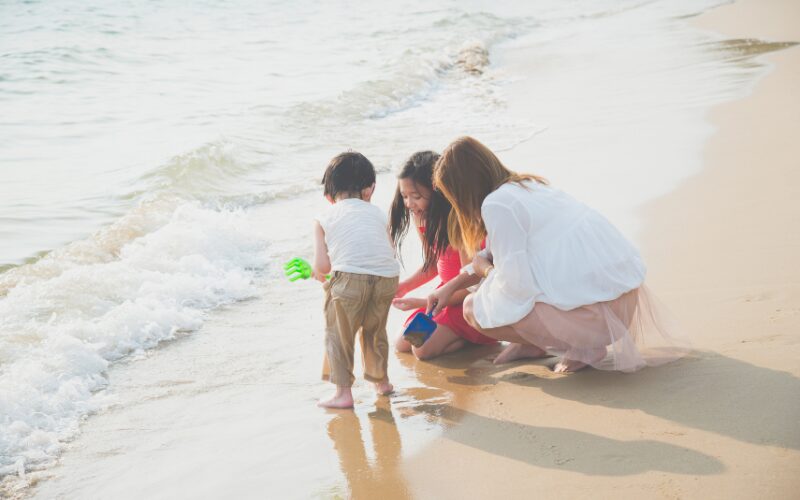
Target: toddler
351	241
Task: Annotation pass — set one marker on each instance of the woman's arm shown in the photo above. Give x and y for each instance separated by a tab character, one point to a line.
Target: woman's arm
510	289
322	261
443	295
459	295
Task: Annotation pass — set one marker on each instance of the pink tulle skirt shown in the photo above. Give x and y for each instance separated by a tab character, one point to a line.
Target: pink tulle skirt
625	334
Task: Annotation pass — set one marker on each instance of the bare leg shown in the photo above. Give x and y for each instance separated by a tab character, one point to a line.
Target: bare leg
441	341
402	345
343	398
519	347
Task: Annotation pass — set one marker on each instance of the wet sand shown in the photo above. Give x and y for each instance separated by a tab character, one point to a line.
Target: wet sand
722	254
722	423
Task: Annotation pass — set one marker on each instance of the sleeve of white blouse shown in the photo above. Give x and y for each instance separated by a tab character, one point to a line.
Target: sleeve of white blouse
509	292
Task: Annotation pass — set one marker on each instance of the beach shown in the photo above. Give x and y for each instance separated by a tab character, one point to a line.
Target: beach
226	406
721	251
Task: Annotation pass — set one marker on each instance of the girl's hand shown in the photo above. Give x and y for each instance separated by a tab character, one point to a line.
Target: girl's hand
409	303
401	291
437	300
480	264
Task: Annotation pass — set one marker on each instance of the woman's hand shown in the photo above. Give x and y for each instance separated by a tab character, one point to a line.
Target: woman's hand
481	264
438	299
409	303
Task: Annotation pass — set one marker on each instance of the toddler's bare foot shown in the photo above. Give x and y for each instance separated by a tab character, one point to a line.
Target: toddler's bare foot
342	399
519	351
384	388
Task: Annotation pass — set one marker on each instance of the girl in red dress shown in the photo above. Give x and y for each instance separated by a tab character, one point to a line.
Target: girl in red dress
416	201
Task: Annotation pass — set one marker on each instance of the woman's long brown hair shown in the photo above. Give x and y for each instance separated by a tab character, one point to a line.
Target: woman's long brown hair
466	173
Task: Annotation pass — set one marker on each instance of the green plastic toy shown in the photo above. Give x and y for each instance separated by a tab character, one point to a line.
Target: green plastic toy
298	268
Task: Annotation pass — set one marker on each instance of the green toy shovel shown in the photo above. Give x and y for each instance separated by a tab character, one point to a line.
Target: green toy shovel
298	268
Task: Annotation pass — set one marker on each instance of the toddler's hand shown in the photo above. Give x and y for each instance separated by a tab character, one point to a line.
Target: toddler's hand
408	304
318	276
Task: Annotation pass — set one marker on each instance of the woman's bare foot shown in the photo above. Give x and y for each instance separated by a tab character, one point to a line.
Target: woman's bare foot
519	351
343	398
384	388
571	366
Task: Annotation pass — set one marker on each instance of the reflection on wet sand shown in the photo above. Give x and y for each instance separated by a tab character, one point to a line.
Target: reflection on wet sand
382	477
449	380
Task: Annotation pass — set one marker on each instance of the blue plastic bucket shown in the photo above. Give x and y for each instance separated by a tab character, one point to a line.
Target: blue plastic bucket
419	329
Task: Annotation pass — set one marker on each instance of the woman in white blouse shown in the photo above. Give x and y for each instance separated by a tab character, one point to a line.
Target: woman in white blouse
556	275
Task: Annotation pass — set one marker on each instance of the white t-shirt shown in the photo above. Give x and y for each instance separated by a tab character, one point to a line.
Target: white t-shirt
548	247
358	239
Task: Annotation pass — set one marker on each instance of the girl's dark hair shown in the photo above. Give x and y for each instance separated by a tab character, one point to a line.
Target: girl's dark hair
348	173
419	168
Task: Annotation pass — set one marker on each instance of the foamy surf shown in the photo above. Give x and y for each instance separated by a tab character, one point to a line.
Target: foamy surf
59	332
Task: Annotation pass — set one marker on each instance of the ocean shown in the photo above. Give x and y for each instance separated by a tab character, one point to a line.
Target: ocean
159	160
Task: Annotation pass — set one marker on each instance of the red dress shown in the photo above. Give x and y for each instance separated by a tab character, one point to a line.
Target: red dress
448	267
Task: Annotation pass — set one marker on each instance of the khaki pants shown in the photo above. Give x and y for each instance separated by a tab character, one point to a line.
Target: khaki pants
356	302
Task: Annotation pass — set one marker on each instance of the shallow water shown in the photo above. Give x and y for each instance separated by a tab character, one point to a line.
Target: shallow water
148	152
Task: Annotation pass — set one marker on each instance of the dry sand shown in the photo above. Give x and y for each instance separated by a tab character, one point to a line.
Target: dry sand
723	254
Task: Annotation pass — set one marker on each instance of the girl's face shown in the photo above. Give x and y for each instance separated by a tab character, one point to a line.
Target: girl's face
416	197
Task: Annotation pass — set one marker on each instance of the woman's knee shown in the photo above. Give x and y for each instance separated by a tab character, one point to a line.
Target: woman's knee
468	310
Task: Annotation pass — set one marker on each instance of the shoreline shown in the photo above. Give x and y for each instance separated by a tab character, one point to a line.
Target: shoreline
688	429
721	422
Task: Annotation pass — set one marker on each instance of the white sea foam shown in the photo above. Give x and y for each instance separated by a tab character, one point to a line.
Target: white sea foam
59	334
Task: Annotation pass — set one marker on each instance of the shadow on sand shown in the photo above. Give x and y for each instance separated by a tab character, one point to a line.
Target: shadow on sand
576	451
705	390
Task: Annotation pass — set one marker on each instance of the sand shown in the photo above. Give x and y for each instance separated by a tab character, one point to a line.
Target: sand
722	252
721	423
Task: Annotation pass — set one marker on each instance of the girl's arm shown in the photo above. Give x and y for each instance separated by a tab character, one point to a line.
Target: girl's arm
322	261
419	278
416	280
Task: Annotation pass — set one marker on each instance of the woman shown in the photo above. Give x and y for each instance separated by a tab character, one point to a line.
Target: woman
557	276
415	201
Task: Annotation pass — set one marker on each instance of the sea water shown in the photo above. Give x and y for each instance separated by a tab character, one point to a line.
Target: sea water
142	142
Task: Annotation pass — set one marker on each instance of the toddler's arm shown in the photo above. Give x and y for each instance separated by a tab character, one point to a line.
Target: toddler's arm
322	261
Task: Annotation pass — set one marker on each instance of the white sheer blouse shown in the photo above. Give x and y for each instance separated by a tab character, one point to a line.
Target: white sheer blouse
548	247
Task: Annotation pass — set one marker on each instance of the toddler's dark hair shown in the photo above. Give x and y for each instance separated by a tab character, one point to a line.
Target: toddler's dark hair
348	173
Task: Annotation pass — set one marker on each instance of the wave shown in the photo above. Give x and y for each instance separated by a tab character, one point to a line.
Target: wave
415	75
205	171
93	304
